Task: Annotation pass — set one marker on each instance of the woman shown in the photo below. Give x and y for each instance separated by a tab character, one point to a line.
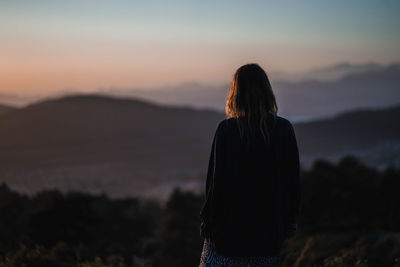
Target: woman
253	194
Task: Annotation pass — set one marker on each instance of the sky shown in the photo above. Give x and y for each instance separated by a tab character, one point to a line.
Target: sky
49	46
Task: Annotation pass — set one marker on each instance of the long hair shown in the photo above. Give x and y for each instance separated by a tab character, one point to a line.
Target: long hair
250	100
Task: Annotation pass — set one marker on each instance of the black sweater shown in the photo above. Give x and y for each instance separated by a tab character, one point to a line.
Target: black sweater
251	194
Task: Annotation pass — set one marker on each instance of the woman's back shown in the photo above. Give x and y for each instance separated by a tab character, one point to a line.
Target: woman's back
247	189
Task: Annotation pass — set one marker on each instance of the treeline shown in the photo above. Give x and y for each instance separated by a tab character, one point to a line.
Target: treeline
350	217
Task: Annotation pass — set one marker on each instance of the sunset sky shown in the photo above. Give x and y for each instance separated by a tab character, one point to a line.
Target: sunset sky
49	46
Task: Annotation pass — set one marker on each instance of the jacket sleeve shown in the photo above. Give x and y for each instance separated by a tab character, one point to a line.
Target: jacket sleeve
215	176
292	168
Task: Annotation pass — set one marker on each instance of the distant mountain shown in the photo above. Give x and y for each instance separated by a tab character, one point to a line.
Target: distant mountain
328	73
91	143
193	94
373	135
6	109
126	147
19	100
314	99
365	86
338	71
314	94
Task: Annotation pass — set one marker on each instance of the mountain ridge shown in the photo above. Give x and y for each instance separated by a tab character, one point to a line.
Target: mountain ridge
370	85
126	147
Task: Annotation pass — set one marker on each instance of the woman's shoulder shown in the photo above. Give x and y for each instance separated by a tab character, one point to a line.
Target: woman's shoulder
284	121
232	121
226	124
231	124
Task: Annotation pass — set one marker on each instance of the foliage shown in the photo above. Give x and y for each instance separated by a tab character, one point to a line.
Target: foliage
350	217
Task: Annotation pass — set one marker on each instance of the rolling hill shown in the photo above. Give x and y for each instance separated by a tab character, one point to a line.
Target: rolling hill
124	147
373	135
101	143
4	109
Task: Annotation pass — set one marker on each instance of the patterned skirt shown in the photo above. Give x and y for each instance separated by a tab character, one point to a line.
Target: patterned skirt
210	258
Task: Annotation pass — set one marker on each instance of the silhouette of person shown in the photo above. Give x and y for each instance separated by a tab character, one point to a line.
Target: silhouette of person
253	193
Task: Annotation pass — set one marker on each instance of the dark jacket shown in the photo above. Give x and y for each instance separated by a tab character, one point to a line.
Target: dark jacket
251	194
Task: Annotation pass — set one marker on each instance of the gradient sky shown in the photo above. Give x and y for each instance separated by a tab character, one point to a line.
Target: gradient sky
52	45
